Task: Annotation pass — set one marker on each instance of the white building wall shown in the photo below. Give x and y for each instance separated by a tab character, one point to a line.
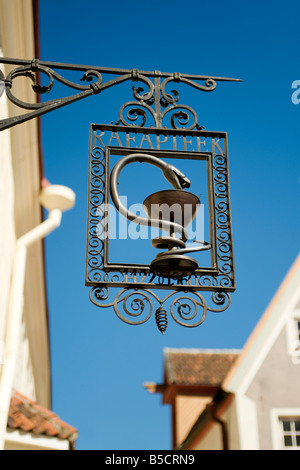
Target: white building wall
247	423
230	417
16	440
24	380
7	226
20	210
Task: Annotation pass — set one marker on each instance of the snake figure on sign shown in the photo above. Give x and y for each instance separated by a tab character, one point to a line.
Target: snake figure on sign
181	210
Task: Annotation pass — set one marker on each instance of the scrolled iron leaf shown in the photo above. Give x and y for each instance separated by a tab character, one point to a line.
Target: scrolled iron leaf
41	89
167	99
37	87
188	308
220	298
98	294
136	109
141	95
133	306
133	114
89	75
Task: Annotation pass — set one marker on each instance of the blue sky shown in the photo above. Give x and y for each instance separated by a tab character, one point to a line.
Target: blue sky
99	364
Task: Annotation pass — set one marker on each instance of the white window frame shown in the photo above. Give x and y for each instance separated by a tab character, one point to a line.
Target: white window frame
292	336
277	414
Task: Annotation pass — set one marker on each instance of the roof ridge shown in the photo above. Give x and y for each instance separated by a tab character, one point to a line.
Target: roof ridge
198	366
203	351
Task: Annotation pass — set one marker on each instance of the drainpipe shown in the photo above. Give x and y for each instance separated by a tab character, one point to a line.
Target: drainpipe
223	425
56	199
223	430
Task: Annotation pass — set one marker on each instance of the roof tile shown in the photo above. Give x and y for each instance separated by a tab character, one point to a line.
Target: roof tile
198	367
28	415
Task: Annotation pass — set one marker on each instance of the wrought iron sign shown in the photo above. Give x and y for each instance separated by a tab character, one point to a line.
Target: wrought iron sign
159	235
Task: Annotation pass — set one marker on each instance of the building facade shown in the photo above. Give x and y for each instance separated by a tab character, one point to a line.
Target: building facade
21	181
241	400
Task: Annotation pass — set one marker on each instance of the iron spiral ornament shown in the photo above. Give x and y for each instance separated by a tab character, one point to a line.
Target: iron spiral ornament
161	319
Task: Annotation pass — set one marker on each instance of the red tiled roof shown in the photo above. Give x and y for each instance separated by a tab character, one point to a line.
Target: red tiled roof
198	366
27	415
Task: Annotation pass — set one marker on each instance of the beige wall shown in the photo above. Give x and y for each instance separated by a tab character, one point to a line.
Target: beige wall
188	408
7	225
20	209
212	440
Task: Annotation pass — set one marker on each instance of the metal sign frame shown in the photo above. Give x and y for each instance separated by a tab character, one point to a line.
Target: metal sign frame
105	277
152	106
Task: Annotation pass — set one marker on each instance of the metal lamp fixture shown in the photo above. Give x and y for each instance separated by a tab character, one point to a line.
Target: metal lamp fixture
153	129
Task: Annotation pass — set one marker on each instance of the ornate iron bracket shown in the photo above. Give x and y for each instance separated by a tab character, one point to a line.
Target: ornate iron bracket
152	100
146	115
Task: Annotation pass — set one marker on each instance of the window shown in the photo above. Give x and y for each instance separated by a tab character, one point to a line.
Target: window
296	345
298	328
285	428
290	432
293	336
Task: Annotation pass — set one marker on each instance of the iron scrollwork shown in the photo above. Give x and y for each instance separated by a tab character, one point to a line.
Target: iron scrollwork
157	114
137	306
164	103
94	84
